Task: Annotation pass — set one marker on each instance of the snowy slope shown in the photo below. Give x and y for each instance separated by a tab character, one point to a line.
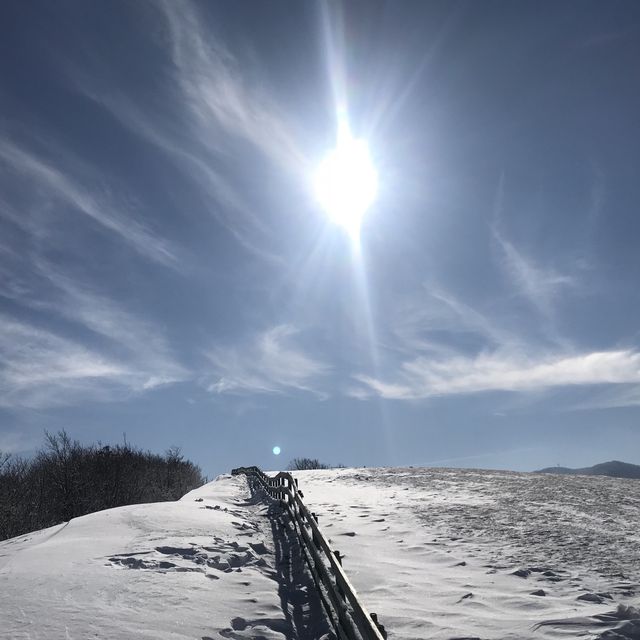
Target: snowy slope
204	567
441	553
436	553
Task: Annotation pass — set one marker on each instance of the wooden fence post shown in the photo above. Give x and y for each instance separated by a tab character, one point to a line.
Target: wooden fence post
349	617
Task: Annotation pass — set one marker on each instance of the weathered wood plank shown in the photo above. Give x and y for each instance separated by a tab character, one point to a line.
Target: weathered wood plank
349	616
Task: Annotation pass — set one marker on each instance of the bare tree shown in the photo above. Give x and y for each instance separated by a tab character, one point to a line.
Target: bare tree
66	479
304	464
4	459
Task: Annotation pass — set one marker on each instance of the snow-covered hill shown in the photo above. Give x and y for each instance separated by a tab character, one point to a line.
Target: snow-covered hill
613	469
436	553
215	564
452	553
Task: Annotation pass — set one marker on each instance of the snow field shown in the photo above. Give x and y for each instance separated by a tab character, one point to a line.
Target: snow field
442	553
208	566
436	553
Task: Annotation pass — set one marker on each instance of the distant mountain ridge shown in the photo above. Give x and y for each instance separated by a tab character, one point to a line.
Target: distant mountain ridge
613	469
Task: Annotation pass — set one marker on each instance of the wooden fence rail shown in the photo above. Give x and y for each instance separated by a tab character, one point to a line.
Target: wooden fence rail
349	617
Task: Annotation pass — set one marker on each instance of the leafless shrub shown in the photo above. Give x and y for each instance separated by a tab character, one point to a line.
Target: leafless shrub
66	479
304	464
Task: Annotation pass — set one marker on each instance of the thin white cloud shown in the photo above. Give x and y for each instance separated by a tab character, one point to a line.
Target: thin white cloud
40	369
139	342
217	93
9	214
432	325
270	364
60	186
76	345
540	286
425	377
106	353
206	105
198	163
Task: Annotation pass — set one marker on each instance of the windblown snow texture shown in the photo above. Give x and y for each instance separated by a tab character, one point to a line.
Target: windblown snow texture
219	563
436	553
453	553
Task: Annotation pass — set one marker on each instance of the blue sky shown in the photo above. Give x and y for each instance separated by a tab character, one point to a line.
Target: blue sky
166	269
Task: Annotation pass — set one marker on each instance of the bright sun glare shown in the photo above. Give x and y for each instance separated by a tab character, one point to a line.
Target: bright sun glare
346	182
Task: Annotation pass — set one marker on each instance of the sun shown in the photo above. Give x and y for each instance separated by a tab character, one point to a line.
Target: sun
346	182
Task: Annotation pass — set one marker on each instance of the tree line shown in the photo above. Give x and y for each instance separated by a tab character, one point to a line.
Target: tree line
306	464
66	479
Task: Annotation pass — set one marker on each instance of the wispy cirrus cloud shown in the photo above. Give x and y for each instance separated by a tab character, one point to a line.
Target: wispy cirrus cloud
540	286
55	185
41	369
207	104
271	363
99	351
428	356
64	341
420	322
138	342
197	161
425	377
611	397
218	94
435	362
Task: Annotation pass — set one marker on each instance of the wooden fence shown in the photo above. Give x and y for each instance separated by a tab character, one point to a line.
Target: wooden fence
349	617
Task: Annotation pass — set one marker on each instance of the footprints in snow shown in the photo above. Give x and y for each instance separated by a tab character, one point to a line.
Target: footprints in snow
223	557
337	515
258	628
